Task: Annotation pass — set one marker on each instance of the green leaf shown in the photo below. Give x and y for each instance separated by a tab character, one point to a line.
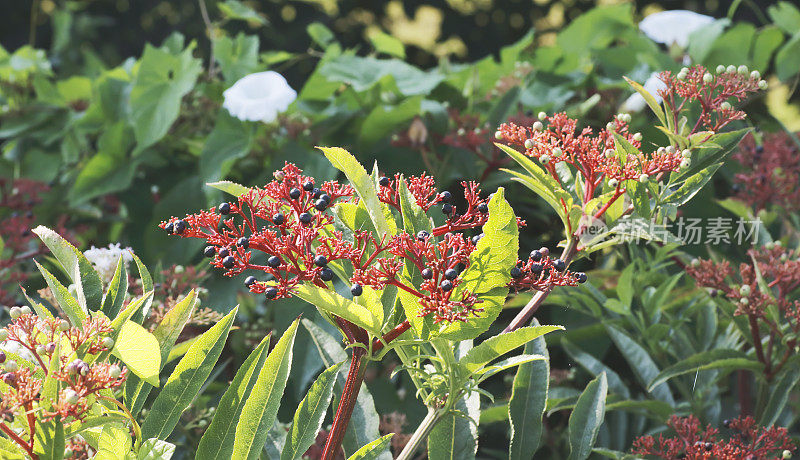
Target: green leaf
114	443
786	16
787	60
117	289
528	401
10	450
387	44
364	421
138	349
455	437
187	378
87	282
163	78
110	169
147	286
156	449
261	408
364	186
217	441
779	394
649	98
586	418
229	187
373	450
640	361
320	34
499	345
713	151
596	367
711	359
489	270
230	140
329	301
236	10
166	334
691	186
362	73
309	415
66	302
237	57
385	120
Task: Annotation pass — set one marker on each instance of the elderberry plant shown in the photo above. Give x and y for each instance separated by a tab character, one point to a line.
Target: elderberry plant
424	269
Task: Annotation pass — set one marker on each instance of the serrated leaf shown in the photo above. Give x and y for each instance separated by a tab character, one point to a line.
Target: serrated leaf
455	437
640	361
189	375
499	345
115	442
261	408
309	415
373	450
229	187
649	98
779	394
586	418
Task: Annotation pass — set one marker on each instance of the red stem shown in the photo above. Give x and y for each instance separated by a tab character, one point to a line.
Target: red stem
14	436
355	376
377	345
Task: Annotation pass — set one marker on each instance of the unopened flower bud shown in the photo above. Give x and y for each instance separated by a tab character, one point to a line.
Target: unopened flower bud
637	137
685	163
12	366
544	159
279	175
708	78
743	70
686	153
114	372
498	135
63	325
2	357
744	290
461	131
681	76
557	152
731	69
528	143
613	183
720	68
83	369
670	149
643	178
70	396
15	312
542	115
725	106
744	301
538	126
755	75
3	334
40	350
179	269
610	153
50	348
611	126
762	84
786	454
108	342
695	262
661	151
26	310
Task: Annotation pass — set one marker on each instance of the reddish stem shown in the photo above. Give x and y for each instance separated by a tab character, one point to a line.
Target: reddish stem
355	376
15	437
377	345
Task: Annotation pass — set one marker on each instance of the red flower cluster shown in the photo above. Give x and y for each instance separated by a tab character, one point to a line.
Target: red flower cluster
771	172
712	92
780	269
29	345
693	442
542	273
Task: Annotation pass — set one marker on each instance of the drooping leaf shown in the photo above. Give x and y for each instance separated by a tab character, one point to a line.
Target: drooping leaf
528	401
331	302
309	415
711	359
586	418
499	345
189	375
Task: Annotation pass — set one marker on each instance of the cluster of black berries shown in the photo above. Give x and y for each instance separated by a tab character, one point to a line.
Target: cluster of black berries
541	272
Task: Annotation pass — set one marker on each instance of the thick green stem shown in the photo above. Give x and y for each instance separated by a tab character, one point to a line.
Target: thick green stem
355	376
421	434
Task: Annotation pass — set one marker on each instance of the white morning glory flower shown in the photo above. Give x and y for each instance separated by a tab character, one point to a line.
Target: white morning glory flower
259	97
674	26
636	102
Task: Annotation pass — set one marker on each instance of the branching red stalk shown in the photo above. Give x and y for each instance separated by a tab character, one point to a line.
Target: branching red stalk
15	437
352	386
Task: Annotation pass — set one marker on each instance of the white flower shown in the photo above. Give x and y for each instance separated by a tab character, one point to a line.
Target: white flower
259	97
105	260
636	102
674	26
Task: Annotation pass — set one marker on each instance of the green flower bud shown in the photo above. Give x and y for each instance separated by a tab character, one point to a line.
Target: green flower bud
681	76
557	152
611	126
720	68
743	70
108	342
762	84
786	454
637	137
498	135
731	69
544	159
610	153
115	372
671	149
528	143
744	301
643	178
63	326
538	126
755	75
542	115
695	263
26	310
744	290
613	183
70	396
725	106
15	312
685	163
686	153
708	78
12	366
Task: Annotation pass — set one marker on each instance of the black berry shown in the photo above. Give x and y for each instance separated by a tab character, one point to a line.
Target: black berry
224	208
446	285
270	293
249	281
326	274
2	357
305	217
422	234
460	267
180	226
450	274
278	219
447	208
294	193
243	242
274	261
581	277
384	181
446	196
477	238
209	251
516	272
320	204
356	290
316	193
320	261
325	197
427	273
170	228
223	252
308	186
536	255
559	265
545	252
228	262
482	208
